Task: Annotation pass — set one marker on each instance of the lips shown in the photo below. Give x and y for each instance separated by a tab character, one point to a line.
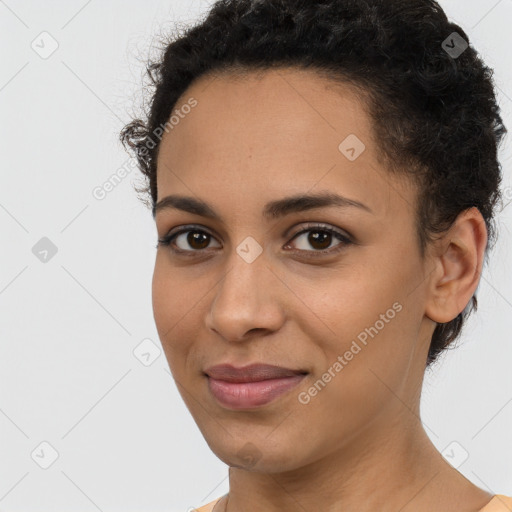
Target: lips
251	386
250	373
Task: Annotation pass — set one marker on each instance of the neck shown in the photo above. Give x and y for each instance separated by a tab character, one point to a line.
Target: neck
383	468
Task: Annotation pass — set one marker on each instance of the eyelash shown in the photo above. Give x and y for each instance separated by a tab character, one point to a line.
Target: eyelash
167	240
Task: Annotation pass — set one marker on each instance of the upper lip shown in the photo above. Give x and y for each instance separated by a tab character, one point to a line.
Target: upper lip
250	373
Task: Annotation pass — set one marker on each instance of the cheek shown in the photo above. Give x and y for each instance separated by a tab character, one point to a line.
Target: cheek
173	307
361	368
351	300
370	319
175	295
164	300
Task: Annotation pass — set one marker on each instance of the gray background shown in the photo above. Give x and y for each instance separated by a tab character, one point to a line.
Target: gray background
69	326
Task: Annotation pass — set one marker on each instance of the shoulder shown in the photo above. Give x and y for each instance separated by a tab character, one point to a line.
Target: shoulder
499	503
208	507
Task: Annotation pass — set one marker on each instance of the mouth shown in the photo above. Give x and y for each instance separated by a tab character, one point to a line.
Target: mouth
251	386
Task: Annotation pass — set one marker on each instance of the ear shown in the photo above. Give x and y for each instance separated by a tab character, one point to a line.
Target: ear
458	260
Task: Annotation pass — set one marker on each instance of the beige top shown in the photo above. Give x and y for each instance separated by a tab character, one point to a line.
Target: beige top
499	503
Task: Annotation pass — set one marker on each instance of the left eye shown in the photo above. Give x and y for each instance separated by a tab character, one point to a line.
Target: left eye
320	238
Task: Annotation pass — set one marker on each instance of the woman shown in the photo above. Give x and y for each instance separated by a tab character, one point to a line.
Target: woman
323	176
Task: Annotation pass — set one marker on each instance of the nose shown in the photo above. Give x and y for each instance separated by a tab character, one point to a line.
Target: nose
247	301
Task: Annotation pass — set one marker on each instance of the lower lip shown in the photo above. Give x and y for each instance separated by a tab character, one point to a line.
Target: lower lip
248	395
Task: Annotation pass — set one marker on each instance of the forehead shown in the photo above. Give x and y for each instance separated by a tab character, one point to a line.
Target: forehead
265	132
252	108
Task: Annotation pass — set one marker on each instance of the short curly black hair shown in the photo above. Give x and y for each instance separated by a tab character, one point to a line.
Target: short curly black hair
429	94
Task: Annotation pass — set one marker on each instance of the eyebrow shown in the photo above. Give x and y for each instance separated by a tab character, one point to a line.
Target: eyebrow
273	209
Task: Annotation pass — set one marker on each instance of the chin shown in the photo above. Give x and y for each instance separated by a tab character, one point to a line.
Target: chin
258	456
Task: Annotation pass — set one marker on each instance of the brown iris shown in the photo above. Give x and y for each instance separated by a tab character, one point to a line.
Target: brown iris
202	239
320	237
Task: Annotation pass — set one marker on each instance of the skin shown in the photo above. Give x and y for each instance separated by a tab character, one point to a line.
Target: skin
359	444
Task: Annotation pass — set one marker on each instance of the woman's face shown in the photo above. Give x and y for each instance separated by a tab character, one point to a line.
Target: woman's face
251	285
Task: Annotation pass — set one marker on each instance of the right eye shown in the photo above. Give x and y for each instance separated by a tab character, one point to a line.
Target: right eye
195	238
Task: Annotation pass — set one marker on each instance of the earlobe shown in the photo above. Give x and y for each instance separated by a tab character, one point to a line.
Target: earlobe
459	260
